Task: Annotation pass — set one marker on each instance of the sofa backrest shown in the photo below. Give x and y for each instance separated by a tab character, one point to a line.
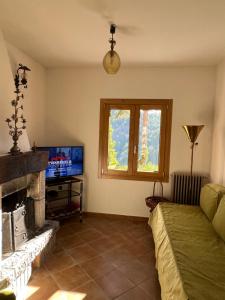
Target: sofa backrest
210	197
218	221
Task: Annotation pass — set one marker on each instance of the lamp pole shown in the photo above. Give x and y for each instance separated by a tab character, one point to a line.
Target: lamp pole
192	132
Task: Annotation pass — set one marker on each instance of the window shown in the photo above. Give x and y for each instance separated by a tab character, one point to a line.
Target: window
134	141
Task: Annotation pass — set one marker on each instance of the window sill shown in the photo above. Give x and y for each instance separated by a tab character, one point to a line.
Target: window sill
136	177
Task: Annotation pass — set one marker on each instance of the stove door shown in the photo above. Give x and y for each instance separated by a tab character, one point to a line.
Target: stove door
19	225
7	240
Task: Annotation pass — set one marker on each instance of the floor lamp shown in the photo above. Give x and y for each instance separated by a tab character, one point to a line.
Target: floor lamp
192	132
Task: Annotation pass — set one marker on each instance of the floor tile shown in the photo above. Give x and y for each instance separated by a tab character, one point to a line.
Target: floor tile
71	277
67	295
147	240
91	291
72	241
58	262
99	259
137	248
58	247
40	289
97	267
105	228
148	258
121	227
83	253
136	271
114	284
117	237
152	288
91	235
103	244
136	233
40	273
80	227
65	231
70	228
119	255
134	294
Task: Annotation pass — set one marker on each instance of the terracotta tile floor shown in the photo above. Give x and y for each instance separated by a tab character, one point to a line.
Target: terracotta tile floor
99	259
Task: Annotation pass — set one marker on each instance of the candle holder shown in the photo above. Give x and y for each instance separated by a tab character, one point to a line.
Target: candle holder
17	122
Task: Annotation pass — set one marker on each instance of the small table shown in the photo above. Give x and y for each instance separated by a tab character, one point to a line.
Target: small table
152	201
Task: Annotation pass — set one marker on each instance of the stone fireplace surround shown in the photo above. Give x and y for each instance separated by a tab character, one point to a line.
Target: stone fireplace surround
18	172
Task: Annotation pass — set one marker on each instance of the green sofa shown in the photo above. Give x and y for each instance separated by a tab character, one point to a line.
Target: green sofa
7	295
190	247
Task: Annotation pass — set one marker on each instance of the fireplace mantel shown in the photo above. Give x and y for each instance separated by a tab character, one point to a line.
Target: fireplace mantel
15	166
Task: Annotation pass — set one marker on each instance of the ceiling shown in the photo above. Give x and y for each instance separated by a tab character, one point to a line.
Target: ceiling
60	33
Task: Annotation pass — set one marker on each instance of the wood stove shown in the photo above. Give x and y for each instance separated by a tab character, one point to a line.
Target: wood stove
18	225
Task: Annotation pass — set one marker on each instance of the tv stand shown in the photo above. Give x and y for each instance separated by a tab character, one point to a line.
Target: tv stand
59	180
60	196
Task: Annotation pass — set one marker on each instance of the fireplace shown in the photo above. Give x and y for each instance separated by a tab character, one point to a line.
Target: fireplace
25	235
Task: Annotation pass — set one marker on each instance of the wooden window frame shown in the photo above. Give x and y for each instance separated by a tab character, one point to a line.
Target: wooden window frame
135	105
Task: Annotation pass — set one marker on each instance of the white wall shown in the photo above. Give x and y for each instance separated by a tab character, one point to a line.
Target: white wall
35	94
73	118
34	102
6	95
218	149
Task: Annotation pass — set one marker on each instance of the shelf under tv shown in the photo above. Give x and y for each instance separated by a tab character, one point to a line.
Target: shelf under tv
62	180
62	213
62	195
60	202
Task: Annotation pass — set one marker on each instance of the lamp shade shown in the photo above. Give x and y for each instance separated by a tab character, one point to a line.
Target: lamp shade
193	131
111	62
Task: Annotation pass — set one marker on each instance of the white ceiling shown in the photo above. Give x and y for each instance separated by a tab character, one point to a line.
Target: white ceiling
150	32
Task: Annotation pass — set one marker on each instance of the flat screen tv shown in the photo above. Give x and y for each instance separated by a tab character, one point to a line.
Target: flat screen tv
64	161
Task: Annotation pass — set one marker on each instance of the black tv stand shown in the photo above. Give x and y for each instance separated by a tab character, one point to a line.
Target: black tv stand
58	180
60	196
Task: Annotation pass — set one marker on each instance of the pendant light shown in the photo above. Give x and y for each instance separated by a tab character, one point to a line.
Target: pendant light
111	61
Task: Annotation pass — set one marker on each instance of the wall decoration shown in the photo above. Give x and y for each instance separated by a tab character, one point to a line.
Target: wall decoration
17	122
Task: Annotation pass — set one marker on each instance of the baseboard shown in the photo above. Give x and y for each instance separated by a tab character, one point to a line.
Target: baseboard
114	216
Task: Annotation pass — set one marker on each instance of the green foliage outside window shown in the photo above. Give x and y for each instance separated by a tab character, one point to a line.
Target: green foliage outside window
112	154
118	140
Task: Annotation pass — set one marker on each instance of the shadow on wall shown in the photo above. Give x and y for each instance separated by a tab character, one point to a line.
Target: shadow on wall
58	135
13	64
206	115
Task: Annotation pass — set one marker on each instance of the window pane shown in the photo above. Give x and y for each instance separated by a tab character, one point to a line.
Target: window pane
149	140
118	139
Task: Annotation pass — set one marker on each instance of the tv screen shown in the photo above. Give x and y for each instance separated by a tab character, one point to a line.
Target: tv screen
64	161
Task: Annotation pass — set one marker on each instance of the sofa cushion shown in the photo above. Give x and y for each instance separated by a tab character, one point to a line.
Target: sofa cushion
219	219
210	197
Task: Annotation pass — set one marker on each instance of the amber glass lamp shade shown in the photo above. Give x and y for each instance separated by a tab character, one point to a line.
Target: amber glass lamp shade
111	62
